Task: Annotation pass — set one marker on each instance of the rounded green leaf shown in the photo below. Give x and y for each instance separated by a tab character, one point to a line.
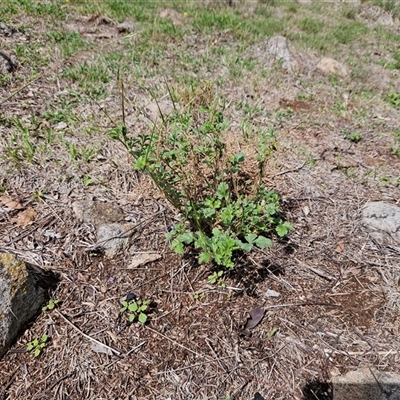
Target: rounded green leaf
142	318
263	242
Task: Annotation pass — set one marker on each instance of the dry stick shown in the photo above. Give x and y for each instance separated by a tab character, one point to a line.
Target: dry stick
178	344
291	170
316	271
118	353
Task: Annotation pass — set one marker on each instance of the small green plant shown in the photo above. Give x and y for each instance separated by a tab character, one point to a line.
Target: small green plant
37	345
51	305
199	296
222	209
217	277
87	180
136	310
393	99
395	148
353	136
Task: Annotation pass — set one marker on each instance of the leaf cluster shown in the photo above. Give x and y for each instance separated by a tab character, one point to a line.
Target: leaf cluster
37	345
136	310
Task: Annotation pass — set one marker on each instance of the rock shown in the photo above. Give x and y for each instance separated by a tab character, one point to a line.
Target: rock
97	213
156	109
174	16
111	238
366	384
20	298
328	65
278	51
382	220
7	31
111	235
142	259
125	27
8	63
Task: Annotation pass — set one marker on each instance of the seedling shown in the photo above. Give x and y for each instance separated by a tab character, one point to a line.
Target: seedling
199	296
37	345
353	136
217	278
136	310
51	305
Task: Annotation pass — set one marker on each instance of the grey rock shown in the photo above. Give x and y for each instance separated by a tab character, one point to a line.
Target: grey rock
382	220
8	63
125	27
97	213
366	384
5	30
111	238
20	298
278	51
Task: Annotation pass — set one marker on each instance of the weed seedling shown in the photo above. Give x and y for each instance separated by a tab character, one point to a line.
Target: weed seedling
51	305
222	209
136	310
199	296
217	278
353	136
37	345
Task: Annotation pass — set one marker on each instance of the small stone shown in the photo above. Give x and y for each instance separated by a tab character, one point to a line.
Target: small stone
272	293
174	16
142	259
97	213
382	220
278	51
330	66
8	63
113	237
158	109
60	126
125	27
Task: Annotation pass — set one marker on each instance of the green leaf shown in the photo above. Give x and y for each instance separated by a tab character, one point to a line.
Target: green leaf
37	352
142	318
246	246
283	229
186	238
223	190
251	237
177	246
30	346
133	307
263	242
272	332
140	163
131	317
44	338
205	257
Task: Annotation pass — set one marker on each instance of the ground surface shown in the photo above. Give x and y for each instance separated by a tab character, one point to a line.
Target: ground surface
338	303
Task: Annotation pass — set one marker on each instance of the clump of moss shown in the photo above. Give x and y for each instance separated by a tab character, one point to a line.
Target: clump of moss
15	269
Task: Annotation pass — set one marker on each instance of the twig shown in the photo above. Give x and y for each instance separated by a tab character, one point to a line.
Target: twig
178	344
9	383
316	271
118	353
291	170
